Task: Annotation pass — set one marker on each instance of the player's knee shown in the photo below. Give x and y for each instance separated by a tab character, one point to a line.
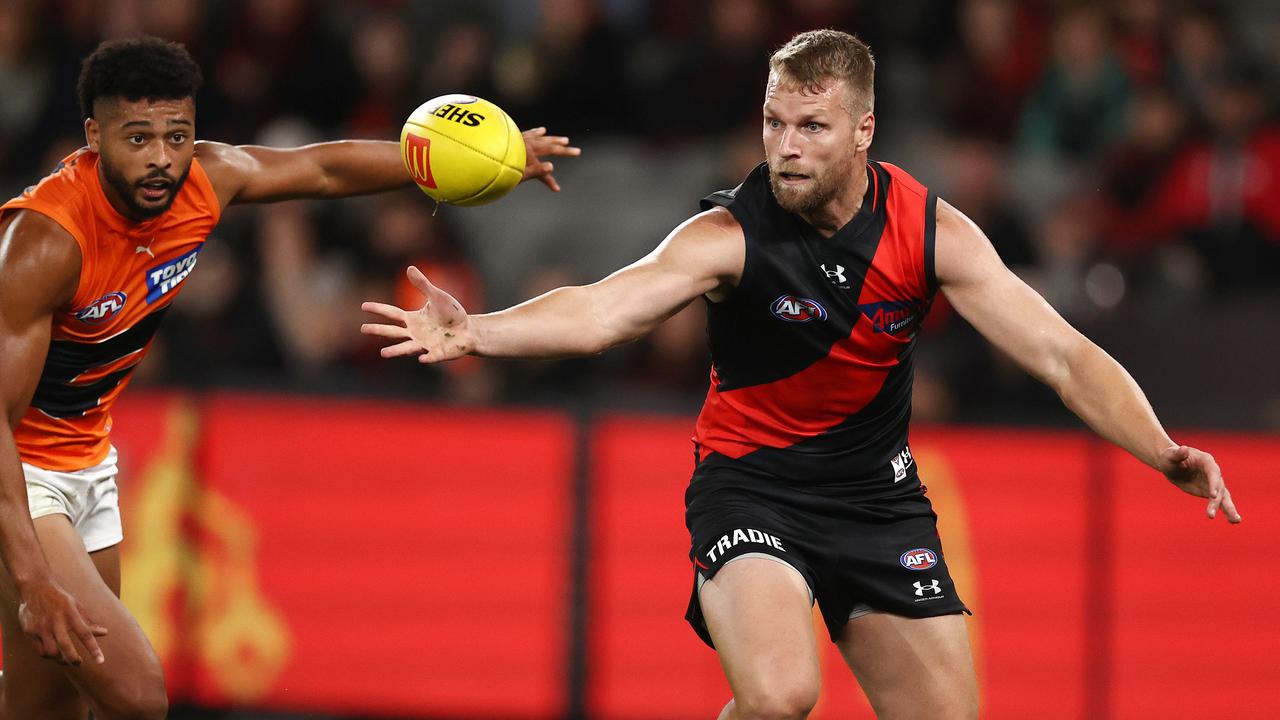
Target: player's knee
146	704
141	697
789	699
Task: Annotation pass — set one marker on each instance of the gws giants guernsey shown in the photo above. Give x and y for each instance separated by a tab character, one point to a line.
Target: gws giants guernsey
812	353
129	275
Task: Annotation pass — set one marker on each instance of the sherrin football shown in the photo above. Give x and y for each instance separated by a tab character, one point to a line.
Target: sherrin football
462	150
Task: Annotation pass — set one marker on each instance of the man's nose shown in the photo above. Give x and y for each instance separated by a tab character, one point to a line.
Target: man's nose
161	156
787	144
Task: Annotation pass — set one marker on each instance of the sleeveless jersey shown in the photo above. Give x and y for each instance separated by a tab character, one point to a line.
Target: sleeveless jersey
129	275
812	351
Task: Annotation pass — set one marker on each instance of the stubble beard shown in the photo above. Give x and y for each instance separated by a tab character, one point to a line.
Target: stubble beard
820	190
127	191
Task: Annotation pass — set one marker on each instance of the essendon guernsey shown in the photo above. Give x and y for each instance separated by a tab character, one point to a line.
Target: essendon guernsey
812	353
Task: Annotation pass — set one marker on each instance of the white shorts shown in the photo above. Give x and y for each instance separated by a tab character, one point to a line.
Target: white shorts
88	497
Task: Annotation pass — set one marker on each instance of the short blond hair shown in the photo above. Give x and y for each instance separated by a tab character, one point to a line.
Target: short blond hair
813	58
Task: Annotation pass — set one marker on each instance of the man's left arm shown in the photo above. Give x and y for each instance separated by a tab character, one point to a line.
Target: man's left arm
1090	382
254	174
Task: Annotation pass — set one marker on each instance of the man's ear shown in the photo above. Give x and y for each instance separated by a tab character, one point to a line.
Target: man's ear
92	134
866	132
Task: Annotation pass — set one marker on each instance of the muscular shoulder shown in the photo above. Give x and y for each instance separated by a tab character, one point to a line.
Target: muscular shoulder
228	167
39	263
710	243
963	253
719	219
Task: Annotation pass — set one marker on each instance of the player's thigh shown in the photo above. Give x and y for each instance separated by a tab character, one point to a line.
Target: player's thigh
33	687
131	681
912	667
107	562
759	615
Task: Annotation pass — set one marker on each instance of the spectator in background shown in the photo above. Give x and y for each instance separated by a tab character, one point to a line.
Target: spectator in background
382	55
25	83
1141	43
272	59
462	61
976	185
308	284
571	74
1220	194
1078	105
988	75
1199	52
714	83
1155	130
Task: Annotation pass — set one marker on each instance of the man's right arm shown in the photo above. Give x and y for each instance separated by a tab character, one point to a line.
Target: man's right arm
39	270
703	256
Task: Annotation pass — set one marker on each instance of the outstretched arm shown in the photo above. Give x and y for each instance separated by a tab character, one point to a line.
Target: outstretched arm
251	173
1093	385
702	256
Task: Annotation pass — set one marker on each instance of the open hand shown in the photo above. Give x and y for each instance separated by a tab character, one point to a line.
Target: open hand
537	145
1197	473
439	330
50	618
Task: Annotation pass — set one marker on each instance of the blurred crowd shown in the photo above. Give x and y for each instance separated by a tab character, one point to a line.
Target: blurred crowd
1123	157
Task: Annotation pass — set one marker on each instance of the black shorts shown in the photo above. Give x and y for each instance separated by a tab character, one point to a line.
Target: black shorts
855	555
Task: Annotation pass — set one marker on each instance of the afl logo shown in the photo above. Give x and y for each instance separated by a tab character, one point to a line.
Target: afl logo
102	309
919	559
798	309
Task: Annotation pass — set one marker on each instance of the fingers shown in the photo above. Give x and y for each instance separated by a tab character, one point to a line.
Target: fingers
66	649
1228	506
544	175
556	147
1220	499
408	347
395	332
390	312
420	281
46	646
541	143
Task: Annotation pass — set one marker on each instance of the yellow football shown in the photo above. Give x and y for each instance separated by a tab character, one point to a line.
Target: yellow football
462	150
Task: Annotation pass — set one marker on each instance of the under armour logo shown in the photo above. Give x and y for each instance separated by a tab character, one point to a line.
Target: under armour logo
838	273
932	587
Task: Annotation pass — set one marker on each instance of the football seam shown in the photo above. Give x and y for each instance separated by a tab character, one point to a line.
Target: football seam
492	182
473	148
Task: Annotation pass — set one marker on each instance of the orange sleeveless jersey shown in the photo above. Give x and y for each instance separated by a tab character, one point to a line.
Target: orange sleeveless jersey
129	275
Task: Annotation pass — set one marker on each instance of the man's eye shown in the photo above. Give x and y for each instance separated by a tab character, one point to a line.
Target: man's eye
137	139
813	127
178	138
774	124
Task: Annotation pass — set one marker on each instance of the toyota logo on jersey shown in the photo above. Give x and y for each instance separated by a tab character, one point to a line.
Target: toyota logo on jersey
919	559
798	309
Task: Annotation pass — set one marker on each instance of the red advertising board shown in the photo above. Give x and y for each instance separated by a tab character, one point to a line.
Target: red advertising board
1196	630
364	557
381	558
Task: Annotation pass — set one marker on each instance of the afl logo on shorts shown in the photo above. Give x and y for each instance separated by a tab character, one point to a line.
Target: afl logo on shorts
102	309
797	309
919	559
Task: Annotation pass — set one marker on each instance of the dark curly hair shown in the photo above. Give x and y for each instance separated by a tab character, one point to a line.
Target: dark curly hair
137	68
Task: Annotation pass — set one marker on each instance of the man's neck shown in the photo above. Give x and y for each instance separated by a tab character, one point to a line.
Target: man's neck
838	211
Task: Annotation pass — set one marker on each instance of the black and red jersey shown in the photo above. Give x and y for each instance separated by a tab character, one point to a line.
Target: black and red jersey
812	352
